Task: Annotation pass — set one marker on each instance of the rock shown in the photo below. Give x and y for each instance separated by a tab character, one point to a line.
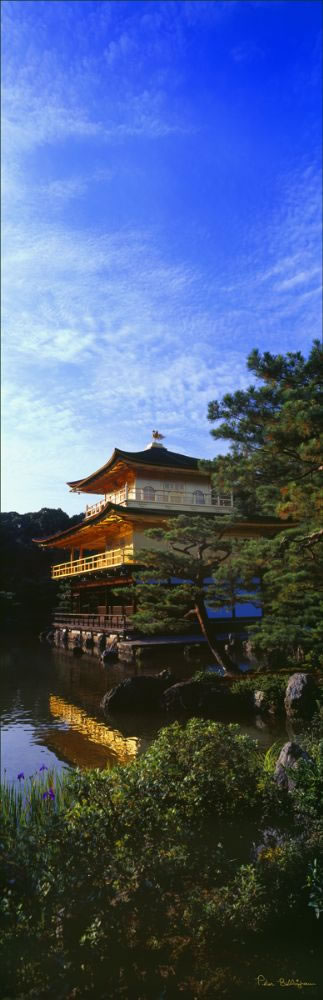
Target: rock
197	696
186	695
301	696
260	701
136	693
288	761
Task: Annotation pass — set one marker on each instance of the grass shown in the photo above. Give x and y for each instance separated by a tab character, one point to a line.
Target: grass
42	793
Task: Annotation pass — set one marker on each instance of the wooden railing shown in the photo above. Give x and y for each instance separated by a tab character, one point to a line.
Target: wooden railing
88	621
172	498
102	560
95	508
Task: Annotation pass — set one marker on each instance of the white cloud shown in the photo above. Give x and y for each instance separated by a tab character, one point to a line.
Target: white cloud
114	337
63	189
110	335
29	121
111	331
300	278
121	48
288	288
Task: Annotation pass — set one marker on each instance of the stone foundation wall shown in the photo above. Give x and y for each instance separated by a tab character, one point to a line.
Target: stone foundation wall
96	643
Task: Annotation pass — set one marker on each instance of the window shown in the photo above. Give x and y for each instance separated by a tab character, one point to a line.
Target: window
174	486
198	496
148	493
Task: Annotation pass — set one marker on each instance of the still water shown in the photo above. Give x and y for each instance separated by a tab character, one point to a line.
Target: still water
51	714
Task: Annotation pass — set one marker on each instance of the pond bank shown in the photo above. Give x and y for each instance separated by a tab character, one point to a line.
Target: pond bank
51	710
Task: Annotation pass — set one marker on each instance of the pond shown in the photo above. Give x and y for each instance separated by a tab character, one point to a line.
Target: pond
51	714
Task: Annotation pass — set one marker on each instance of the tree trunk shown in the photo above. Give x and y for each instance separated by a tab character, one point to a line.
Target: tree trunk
215	647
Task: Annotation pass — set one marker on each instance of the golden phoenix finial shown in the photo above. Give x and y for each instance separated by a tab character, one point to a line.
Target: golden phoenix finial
157	436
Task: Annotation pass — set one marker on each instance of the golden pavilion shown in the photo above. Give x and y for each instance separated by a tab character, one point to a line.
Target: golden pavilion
134	491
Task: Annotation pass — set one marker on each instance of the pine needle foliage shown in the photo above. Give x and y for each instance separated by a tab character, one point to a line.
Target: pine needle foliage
274	466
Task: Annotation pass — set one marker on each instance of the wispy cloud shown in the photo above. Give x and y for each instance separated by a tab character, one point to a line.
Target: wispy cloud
106	345
289	286
29	123
135	281
300	278
64	189
113	334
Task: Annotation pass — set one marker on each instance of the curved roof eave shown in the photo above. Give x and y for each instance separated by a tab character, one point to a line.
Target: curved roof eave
126	512
94	475
158	457
78	527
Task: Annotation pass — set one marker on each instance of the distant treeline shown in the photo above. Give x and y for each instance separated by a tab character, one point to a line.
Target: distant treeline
27	593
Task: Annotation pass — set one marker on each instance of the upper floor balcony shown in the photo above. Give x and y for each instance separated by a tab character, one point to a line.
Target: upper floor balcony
89	564
148	496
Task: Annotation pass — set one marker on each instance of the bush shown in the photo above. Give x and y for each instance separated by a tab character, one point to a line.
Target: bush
308	792
125	885
273	686
203	767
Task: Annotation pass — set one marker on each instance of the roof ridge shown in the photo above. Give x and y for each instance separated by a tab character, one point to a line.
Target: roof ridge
158	456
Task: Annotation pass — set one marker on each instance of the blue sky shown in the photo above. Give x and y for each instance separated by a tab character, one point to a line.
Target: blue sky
161	217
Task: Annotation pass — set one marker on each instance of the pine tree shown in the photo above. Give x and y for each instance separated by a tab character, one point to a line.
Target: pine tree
182	578
275	467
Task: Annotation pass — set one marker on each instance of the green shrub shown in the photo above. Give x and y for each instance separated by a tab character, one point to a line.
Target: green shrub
273	686
307	794
123	886
201	768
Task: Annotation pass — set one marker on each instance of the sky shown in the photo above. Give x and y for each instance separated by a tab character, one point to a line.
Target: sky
161	218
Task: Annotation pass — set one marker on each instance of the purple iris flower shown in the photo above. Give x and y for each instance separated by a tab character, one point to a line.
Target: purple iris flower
20	775
49	795
43	768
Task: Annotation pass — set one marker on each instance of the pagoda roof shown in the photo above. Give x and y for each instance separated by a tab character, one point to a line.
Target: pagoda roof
156	456
82	534
76	529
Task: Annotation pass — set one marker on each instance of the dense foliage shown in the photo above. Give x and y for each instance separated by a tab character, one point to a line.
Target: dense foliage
275	467
275	435
197	555
27	594
273	686
130	887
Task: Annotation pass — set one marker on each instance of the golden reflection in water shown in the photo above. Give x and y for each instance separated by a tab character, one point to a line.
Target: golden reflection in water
87	742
